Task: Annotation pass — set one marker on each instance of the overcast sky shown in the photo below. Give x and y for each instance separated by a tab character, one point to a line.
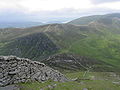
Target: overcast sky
54	10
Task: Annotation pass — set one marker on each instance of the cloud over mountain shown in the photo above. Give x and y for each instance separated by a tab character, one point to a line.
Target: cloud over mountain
64	10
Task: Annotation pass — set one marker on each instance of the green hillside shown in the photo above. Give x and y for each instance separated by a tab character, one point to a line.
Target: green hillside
88	19
85	20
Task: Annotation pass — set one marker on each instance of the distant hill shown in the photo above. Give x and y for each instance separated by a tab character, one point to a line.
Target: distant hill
89	19
95	37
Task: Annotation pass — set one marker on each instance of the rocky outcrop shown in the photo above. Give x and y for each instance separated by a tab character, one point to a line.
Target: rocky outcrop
15	70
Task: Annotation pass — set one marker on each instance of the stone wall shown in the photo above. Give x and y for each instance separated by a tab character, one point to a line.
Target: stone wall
15	70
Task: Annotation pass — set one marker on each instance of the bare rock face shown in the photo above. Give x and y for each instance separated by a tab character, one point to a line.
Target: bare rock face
14	70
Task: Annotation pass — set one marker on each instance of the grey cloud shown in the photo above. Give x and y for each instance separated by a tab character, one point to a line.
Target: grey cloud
69	14
46	16
103	1
13	16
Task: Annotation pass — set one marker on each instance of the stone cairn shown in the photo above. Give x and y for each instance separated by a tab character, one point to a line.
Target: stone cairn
15	70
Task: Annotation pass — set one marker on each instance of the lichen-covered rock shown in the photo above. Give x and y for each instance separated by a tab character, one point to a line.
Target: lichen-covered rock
15	70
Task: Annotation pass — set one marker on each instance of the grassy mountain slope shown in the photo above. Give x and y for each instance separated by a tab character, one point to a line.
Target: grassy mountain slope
72	62
85	20
89	19
104	47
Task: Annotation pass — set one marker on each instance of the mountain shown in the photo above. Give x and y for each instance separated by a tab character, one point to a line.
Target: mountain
96	38
32	46
89	19
85	20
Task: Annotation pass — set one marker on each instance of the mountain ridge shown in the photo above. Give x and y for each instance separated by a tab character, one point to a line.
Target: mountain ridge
97	40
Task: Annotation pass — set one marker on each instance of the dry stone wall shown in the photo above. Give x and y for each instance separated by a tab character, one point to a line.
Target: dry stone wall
14	70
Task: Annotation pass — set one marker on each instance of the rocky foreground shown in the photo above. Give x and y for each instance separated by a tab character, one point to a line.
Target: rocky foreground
15	70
